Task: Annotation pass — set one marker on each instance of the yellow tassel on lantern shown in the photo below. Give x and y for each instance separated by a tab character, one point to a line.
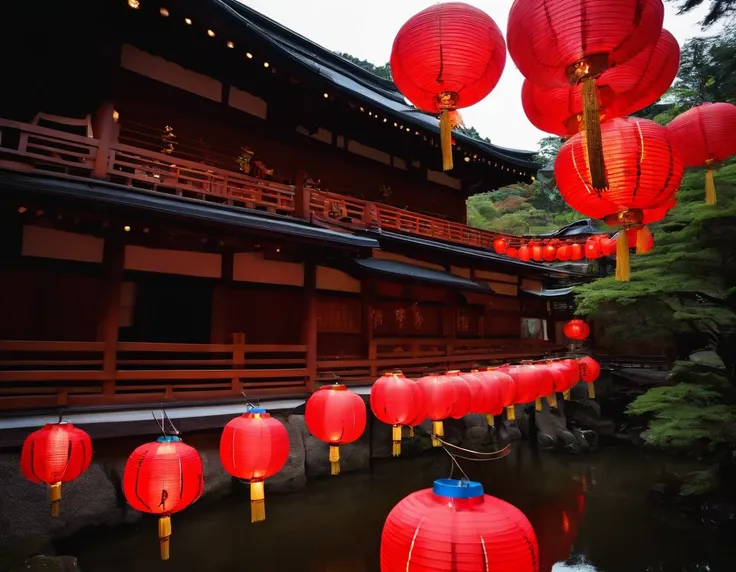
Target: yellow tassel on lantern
164	536
622	257
566	395
334	460
446	139
710	188
593	138
257	502
55	498
591	390
643	240
396	437
438	430
510	412
538	404
490	420
552	399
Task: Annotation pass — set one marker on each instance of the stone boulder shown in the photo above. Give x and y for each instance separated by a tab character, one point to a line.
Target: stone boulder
48	564
293	477
586	414
552	431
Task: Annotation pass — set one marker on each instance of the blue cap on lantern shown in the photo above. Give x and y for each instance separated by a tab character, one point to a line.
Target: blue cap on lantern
168	439
456	489
256	410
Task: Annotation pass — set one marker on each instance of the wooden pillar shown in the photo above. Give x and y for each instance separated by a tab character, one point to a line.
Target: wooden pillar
221	295
113	263
309	323
368	299
302	197
104	129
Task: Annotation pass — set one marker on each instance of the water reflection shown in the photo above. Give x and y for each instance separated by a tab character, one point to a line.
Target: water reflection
590	515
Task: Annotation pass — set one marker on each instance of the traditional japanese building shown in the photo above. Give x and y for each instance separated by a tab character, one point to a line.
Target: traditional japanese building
197	202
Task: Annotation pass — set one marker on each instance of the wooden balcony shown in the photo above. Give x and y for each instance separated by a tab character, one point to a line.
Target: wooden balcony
32	148
52	374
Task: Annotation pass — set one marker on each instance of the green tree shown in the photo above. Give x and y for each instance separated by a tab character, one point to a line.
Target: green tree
719	9
472	132
383	71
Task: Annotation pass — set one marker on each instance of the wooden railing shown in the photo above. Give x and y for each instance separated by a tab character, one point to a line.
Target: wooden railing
417	357
29	148
52	374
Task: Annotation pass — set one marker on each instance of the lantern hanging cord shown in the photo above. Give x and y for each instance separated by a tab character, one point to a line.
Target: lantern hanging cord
248	404
493	454
455	464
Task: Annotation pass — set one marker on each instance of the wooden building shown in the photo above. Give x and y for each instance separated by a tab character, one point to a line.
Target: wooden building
196	202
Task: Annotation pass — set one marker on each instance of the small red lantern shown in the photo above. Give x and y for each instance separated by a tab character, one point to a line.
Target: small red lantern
705	136
253	447
55	454
563	253
589	372
550	253
512	252
455	526
421	412
396	402
593	247
507	391
576	329
525	253
163	477
336	416
555	45
537	251
573	373
644	167
529	383
576	252
463	397
439	401
446	57
478	393
500	245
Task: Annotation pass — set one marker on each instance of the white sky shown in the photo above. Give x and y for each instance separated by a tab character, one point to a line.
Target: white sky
367	30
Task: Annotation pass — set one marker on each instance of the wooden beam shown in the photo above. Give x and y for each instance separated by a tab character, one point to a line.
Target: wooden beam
113	259
302	196
221	294
309	322
104	130
368	299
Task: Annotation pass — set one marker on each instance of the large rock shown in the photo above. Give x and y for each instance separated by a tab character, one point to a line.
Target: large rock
25	509
293	477
552	431
477	434
14	553
48	564
217	481
586	414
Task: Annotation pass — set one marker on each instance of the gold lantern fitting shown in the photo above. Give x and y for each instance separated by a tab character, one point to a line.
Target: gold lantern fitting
446	102
630	218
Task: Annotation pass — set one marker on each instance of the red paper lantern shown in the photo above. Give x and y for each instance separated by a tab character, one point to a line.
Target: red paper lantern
500	245
593	247
421	412
447	57
589	372
563	253
455	526
506	390
576	251
621	90
529	383
550	253
705	137
253	447
576	329
478	394
537	251
57	453
439	400
337	417
525	253
396	401
463	397
163	477
557	43
562	374
511	252
573	373
644	171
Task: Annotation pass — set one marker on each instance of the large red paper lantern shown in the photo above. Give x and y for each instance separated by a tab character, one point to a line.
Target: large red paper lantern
57	453
645	169
706	135
529	383
576	329
439	400
589	372
447	57
163	477
621	90
396	402
253	447
336	416
421	412
506	388
556	43
455	526
573	373
463	397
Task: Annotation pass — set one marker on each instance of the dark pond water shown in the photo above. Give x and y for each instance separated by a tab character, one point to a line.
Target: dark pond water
590	515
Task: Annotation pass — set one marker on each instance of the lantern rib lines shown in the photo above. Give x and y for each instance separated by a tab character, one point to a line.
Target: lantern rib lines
137	481
639	159
485	553
411	546
671	166
33	462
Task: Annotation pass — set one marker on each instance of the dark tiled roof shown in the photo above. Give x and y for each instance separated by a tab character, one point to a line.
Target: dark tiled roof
550	292
353	79
399	270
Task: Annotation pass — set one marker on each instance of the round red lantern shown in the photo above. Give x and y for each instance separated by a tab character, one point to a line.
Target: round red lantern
529	381
537	251
576	329
705	136
563	253
163	477
57	453
478	393
439	401
556	43
447	57
463	397
421	412
455	526
525	253
500	245
589	372
573	375
562	374
337	417
576	251
506	391
396	402
512	252
645	169
253	447
593	247
550	253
